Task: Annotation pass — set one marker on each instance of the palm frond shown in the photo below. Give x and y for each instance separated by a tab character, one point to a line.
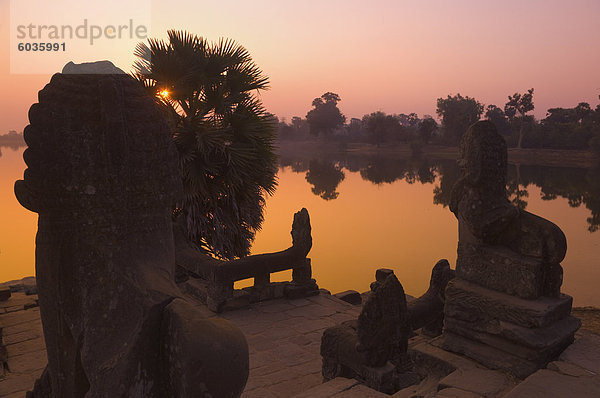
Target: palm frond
222	132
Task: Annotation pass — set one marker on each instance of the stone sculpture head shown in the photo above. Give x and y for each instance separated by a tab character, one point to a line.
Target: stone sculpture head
97	142
483	157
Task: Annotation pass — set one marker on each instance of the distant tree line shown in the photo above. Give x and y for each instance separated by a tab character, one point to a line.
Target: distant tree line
562	128
12	135
325	122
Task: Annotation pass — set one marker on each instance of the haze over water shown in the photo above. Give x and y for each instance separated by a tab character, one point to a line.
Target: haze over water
368	226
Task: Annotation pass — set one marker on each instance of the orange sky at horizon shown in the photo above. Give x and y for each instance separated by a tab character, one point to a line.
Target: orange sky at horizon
393	56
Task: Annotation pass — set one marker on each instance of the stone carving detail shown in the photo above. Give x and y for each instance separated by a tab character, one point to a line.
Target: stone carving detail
504	308
211	280
500	245
103	176
382	328
374	347
427	312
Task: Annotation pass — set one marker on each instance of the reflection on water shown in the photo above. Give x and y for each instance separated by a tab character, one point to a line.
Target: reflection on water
579	186
17	231
392	212
368	213
324	176
14	147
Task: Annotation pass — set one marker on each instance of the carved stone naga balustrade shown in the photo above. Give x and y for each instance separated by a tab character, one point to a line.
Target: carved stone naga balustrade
212	280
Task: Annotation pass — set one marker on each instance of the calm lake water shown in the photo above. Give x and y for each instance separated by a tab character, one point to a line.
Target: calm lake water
368	213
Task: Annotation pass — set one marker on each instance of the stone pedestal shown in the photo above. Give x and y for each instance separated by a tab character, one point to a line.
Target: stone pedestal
504	309
506	332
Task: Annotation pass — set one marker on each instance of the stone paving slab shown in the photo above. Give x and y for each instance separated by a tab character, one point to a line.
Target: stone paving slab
22	336
481	382
548	384
580	354
284	339
575	374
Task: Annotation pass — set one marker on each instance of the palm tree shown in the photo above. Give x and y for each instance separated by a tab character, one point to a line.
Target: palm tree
223	135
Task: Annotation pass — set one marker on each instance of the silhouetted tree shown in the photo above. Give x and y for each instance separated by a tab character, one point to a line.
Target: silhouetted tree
569	128
381	127
426	129
595	143
410	120
355	129
521	104
285	132
497	116
457	114
583	111
222	133
325	116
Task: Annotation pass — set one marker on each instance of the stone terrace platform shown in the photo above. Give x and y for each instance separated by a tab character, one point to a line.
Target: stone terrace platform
284	338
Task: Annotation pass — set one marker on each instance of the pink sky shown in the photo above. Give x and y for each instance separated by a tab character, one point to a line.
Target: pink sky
393	56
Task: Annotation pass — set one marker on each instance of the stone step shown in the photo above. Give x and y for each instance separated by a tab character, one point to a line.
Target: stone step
473	303
534	338
490	357
563	336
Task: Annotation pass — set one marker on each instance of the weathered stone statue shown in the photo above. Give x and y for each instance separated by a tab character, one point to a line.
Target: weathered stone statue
374	347
488	221
103	177
504	308
427	311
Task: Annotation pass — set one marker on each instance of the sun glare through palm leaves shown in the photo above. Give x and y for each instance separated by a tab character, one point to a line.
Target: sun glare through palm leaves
223	134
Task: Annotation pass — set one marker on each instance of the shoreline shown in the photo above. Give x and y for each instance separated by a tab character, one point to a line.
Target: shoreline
525	156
